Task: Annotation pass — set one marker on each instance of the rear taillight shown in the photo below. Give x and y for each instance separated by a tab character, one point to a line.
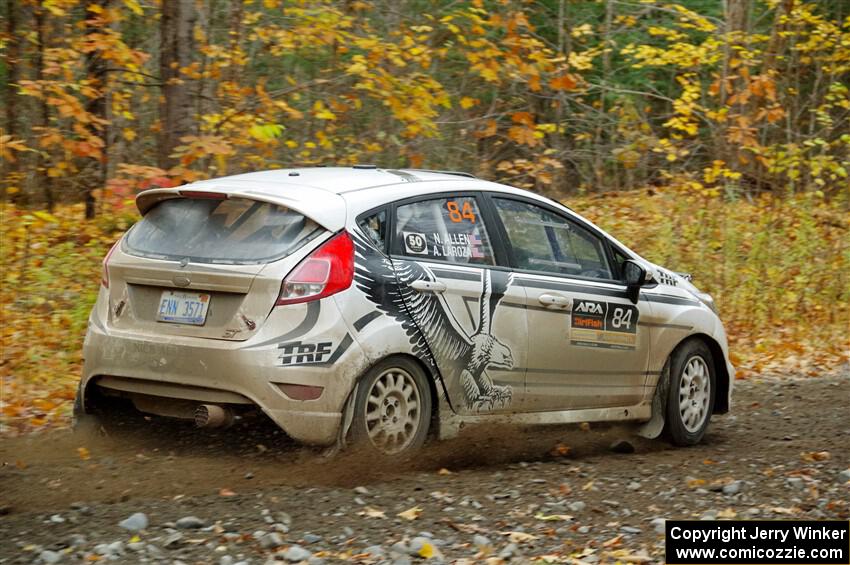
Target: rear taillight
104	277
326	271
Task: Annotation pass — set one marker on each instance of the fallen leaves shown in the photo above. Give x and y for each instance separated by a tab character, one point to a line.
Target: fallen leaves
814	456
370	512
553	517
560	450
410	514
519	537
427	551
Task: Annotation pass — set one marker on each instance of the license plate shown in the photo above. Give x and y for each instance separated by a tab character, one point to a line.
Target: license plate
183	307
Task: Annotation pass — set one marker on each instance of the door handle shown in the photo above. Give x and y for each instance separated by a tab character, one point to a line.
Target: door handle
554	300
428	286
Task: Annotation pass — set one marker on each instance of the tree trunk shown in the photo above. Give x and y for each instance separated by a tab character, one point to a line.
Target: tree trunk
13	51
237	10
98	106
10	101
176	108
43	180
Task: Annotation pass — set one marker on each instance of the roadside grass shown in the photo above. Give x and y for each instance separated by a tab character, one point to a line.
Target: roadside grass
779	270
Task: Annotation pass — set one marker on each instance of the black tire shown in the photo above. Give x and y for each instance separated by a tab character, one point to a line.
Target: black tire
689	406
385	436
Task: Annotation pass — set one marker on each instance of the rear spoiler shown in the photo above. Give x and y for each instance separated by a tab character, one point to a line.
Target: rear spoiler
325	208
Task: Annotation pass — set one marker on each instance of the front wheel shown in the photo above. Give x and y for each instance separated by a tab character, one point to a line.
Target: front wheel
392	411
691	396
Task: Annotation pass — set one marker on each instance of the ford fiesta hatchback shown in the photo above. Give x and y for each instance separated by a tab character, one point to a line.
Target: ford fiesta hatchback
381	306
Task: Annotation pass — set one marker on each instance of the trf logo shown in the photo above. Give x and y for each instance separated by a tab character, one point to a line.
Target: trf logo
297	353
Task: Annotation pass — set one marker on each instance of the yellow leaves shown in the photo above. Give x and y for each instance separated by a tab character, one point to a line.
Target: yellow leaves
581	30
83	453
322	112
129	134
719	171
410	514
265	133
468	102
45	216
134	6
427	550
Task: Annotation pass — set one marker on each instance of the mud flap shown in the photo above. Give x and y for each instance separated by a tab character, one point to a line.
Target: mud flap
653	428
345	425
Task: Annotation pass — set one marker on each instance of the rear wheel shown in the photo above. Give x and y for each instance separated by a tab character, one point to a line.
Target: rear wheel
392	411
691	397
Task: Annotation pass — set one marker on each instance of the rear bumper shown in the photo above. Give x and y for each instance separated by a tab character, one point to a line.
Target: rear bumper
250	371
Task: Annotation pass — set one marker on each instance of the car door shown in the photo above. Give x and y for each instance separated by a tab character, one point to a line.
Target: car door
469	310
587	348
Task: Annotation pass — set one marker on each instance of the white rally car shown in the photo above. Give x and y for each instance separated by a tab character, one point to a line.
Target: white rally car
383	306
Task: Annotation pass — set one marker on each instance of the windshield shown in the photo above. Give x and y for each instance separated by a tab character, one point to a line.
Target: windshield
237	230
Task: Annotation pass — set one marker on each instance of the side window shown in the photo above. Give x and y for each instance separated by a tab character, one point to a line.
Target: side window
544	241
375	227
443	229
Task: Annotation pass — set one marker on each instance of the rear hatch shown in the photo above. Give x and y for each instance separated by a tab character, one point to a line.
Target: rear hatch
206	265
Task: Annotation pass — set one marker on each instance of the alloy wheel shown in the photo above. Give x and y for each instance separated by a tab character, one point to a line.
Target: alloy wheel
393	411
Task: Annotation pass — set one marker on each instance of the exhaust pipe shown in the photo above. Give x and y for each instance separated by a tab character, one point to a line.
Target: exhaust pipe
213	416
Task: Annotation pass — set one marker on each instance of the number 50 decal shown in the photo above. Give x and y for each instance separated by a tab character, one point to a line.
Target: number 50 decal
458	214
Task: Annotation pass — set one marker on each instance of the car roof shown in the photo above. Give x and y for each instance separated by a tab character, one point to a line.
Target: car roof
340	180
321	193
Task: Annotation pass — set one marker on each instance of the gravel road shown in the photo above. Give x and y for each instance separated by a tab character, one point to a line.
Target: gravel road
169	493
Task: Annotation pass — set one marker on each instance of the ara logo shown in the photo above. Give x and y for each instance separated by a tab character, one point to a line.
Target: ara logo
298	353
589	307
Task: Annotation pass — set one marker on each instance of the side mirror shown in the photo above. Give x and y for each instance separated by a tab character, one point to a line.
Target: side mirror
634	276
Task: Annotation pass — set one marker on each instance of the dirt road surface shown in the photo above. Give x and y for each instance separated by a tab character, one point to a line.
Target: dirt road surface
505	495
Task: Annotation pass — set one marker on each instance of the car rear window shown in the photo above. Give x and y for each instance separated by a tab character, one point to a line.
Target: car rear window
234	231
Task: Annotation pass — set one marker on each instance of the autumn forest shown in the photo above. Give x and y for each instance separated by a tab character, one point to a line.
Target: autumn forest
711	136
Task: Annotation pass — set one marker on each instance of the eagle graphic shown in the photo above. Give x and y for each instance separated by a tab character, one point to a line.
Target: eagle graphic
435	335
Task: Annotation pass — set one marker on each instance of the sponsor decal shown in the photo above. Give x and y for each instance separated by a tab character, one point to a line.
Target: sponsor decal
415	243
300	353
603	324
457	245
666	278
